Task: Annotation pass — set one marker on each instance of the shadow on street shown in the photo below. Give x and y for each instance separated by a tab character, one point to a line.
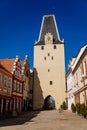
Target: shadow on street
20	119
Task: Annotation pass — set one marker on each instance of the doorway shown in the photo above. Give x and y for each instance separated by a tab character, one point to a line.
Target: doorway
49	103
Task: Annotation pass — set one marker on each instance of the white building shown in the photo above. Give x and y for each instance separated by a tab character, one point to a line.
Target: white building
70	85
76	78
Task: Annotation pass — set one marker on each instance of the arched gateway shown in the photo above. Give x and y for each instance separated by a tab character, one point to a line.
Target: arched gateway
49	103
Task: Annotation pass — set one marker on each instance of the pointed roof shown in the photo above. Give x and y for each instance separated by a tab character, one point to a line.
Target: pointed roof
49	26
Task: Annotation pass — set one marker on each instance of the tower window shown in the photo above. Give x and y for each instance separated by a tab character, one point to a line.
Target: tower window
48	54
44	58
51	82
52	57
42	47
54	46
48	70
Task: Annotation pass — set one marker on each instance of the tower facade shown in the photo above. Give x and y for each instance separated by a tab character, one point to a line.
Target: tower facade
49	66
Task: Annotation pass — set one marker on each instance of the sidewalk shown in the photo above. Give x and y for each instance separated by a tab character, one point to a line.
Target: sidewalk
9	115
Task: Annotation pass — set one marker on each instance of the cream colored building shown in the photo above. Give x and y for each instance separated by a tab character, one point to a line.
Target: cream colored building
80	76
49	66
76	79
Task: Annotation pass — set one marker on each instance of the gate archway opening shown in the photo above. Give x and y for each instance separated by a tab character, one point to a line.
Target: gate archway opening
49	103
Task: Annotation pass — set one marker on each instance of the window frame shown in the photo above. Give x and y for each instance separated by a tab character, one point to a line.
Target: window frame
0	79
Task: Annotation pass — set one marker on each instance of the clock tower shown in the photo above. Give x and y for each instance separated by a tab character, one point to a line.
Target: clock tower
49	67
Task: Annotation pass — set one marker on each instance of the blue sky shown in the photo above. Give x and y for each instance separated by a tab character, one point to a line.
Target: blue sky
20	22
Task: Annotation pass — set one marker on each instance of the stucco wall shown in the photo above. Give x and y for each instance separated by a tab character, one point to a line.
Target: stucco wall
47	69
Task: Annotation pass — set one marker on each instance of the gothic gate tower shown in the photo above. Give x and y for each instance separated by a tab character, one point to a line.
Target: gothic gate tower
49	66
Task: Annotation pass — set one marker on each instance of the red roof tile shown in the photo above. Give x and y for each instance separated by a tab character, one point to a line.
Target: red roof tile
7	63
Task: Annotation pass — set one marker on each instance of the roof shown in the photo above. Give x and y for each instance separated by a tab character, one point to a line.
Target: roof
2	67
48	26
7	63
79	56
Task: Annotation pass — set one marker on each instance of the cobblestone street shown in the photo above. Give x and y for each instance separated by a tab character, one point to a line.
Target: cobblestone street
45	120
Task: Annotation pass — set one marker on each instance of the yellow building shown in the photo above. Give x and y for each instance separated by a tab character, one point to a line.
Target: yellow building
49	67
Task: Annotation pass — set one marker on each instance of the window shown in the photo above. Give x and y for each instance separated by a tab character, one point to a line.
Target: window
17	86
17	101
21	88
5	81
52	57
85	67
18	63
14	85
19	73
51	82
0	79
48	54
82	70
54	46
48	70
76	79
42	47
44	58
9	82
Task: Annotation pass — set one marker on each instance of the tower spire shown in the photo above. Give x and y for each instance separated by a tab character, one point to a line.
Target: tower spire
49	25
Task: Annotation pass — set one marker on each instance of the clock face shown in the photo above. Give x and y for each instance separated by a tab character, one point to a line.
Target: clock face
48	38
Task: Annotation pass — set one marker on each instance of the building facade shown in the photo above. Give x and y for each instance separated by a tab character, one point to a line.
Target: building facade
26	83
31	90
70	85
17	86
80	76
77	84
15	68
49	66
5	91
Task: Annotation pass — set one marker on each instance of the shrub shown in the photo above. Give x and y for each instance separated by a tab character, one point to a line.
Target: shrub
64	106
82	109
85	113
73	107
78	108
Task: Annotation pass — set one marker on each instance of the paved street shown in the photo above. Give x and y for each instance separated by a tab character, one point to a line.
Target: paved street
45	120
